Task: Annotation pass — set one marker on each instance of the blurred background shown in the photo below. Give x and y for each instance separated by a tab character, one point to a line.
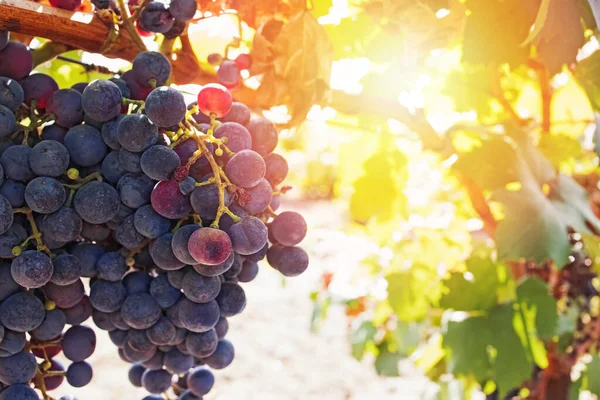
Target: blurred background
407	125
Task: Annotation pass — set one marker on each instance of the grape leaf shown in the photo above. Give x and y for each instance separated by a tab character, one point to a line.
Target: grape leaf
409	292
572	201
476	293
593	372
534	294
488	38
511	364
587	74
592	246
386	363
467	340
360	336
559	149
492	165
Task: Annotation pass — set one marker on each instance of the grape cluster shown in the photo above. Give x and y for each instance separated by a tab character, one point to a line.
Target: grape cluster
229	72
161	208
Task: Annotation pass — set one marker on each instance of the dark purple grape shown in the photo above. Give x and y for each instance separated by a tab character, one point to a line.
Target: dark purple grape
165	106
245	169
66	105
264	135
156	18
39	88
17	61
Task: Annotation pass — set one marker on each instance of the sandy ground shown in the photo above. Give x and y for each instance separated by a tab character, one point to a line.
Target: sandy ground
277	357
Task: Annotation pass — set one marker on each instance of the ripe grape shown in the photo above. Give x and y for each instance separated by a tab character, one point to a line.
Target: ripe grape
200	380
49	158
159	162
162	332
163	292
162	253
277	169
4	38
290	261
140	310
259	197
125	92
205	200
107	296
214	58
54	132
288	228
200	289
231	299
156	381
69	5
51	327
179	244
78	343
79	374
214	99
85	145
110	132
38	87
127	235
67	269
156	18
79	313
245	169
243	61
238	137
222	357
17	61
201	344
45	195
96	202
198	317
183	10
136	133
264	135
150	223
209	246
66	105
229	74
32	269
168	200
135	190
111	168
165	106
19	391
18	368
11	92
7	121
239	113
65	296
131	162
248	236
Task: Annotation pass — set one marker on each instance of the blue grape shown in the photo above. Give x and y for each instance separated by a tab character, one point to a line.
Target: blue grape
202	344
22	312
80	86
107	296
88	254
111	266
162	253
65	296
101	100
14	192
103	321
198	317
238	137
259	255
259	197
79	374
135	374
200	381
245	169
222	327
176	30
277	169
150	223
118	337
136	133
6	214
117	320
165	106
78	343
205	200
163	291
229	74
45	195
188	395
177	362
19	391
222	357
248	236
288	228
183	10
162	332
123	213
125	92
137	282
187	185
79	313
236	267
17	61
249	271
200	289
110	132
264	135
127	235
4	38
32	269
159	162
179	244
214	270
112	169
156	18
140	310
12	342
239	113
226	221
290	261
175	278
49	158
135	190
156	362
96	202
67	269
14	236
38	88
54	132
151	65
66	106
51	327
11	93
138	340
156	381
85	145
15	162
18	368
231	299
7	121
131	162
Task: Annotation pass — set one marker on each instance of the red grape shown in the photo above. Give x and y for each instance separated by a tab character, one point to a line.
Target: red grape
168	200
210	246
245	169
244	61
214	99
288	228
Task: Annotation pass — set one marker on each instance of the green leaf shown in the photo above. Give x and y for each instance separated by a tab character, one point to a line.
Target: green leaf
467	339
532	228
540	20
559	149
386	363
478	292
321	7
409	292
572	201
591	244
360	336
533	293
575	389
488	39
588	75
511	364
593	375
492	165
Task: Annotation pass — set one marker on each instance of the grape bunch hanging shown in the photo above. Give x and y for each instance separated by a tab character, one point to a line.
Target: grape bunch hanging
161	208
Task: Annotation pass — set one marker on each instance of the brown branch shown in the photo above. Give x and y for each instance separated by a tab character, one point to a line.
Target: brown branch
546	90
79	30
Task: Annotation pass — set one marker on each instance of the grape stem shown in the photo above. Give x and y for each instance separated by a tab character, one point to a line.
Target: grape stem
128	21
37	235
179	223
83	181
